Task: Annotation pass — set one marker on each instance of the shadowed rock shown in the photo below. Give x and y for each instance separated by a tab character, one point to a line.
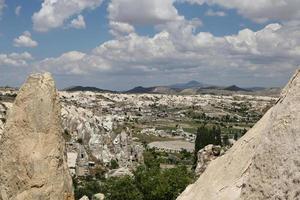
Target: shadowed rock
32	150
264	164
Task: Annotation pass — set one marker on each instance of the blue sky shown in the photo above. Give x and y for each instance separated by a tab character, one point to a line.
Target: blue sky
119	44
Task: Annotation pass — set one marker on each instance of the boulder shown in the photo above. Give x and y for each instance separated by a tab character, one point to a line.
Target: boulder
206	155
119	172
84	198
98	196
264	163
32	149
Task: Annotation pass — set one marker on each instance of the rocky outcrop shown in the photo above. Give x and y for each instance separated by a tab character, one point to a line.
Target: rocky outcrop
84	198
264	163
32	149
206	155
98	196
3	110
95	133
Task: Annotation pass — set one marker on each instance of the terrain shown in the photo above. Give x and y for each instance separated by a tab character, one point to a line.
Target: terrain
94	120
264	163
113	134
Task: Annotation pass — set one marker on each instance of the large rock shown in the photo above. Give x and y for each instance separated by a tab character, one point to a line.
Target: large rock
264	164
206	155
98	196
3	111
32	150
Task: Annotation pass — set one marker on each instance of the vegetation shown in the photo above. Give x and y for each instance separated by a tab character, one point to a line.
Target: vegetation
86	187
114	164
210	135
157	184
122	188
149	182
206	136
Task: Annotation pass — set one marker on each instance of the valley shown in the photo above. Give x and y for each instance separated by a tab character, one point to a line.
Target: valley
109	131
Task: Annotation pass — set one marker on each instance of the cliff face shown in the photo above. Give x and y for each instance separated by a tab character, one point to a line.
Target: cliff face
32	149
264	164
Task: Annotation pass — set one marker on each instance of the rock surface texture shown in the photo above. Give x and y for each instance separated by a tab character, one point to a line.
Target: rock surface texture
3	110
32	150
264	164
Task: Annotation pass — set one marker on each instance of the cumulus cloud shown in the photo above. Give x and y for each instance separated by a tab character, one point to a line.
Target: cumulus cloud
18	10
14	68
211	12
54	13
15	59
119	28
143	11
259	10
78	23
68	63
2	5
72	63
270	52
25	40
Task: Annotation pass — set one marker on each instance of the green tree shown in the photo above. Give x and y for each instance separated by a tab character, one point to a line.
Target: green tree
151	159
218	137
236	136
226	140
157	184
114	164
122	188
206	136
88	188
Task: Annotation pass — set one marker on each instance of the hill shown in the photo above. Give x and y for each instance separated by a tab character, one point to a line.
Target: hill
83	89
188	85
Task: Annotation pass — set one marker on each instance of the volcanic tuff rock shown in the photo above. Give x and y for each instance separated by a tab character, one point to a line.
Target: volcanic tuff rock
32	149
206	155
264	164
3	110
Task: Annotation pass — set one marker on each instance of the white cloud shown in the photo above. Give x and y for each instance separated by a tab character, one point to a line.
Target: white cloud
119	28
72	63
259	10
78	23
25	40
54	13
15	59
18	10
143	11
2	5
211	12
273	51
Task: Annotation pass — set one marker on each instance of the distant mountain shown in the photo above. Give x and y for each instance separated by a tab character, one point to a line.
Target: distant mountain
141	89
188	85
235	88
156	89
256	89
84	89
195	87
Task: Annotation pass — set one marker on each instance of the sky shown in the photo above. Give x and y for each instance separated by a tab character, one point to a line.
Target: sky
119	44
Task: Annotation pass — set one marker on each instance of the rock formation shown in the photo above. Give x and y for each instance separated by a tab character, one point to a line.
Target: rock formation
206	155
3	111
32	150
264	163
83	120
98	196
